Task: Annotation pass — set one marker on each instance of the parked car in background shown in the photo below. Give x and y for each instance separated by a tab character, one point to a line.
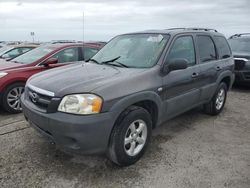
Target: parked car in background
14	73
133	84
2	44
240	44
12	51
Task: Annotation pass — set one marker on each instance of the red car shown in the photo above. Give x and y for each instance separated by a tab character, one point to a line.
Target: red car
14	73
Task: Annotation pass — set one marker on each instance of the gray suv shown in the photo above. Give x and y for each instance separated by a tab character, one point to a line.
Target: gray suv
111	103
240	44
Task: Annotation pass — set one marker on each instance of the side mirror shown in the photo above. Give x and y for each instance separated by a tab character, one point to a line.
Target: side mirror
50	62
175	64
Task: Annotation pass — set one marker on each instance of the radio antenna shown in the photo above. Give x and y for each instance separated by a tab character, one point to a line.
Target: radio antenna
83	36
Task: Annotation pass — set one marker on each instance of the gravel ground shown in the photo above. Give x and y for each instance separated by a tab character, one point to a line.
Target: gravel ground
192	150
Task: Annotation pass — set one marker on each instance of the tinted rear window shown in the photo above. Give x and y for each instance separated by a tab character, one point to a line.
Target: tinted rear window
206	49
223	47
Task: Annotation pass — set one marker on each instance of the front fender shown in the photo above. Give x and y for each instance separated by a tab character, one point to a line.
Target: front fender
129	100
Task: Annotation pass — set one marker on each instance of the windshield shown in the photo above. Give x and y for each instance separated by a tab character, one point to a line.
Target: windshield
5	49
34	55
240	44
133	50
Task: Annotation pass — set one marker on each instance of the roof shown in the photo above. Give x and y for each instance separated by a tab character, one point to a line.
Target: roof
174	31
25	45
63	45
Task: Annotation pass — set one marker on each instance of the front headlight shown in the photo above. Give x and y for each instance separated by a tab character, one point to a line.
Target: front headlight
2	74
81	104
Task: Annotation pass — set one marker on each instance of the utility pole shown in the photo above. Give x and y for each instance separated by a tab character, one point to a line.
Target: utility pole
33	36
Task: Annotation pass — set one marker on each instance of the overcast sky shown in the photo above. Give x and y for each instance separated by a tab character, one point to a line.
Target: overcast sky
61	19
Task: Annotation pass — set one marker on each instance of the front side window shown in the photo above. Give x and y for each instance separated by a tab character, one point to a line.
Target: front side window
223	47
206	48
134	50
183	48
67	55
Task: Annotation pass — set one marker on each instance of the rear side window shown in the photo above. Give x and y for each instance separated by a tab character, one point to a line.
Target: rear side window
223	47
206	48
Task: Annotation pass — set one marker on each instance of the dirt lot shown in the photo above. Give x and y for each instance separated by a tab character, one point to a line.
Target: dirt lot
193	150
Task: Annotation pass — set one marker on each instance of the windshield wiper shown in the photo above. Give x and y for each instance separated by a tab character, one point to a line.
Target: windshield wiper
113	61
110	61
95	61
14	61
117	64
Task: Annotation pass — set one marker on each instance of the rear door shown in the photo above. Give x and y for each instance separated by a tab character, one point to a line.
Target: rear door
210	66
181	88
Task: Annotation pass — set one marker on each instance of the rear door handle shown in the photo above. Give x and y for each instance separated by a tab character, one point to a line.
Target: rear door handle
218	68
195	75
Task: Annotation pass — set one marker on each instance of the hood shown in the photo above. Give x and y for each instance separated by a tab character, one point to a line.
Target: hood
77	78
242	55
6	65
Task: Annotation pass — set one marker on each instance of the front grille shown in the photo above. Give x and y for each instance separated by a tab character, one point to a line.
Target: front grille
42	102
239	64
38	99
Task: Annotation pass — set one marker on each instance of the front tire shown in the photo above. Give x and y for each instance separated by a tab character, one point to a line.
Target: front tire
11	98
216	105
130	136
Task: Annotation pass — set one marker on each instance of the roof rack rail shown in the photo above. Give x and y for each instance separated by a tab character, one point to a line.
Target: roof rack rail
203	29
174	28
238	35
195	28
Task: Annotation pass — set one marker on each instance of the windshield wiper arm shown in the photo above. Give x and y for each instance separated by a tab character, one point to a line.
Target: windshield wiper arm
94	61
110	61
113	61
14	61
117	63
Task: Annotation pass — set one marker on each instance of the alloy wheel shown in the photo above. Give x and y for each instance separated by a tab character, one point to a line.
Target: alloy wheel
135	137
220	99
13	98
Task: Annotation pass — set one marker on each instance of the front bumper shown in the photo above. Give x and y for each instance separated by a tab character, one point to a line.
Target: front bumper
242	76
72	133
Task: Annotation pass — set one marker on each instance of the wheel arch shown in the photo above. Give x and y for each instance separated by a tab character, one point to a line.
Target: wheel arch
150	101
227	77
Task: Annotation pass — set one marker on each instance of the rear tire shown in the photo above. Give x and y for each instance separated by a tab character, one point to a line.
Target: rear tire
130	136
11	98
216	105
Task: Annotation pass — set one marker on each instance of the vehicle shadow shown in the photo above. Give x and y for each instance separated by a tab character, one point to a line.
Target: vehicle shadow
100	169
241	88
8	117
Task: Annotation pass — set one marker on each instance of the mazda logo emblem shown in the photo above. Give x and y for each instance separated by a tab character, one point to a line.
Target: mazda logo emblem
34	97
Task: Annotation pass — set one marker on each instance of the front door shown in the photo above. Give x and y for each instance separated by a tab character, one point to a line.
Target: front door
181	90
